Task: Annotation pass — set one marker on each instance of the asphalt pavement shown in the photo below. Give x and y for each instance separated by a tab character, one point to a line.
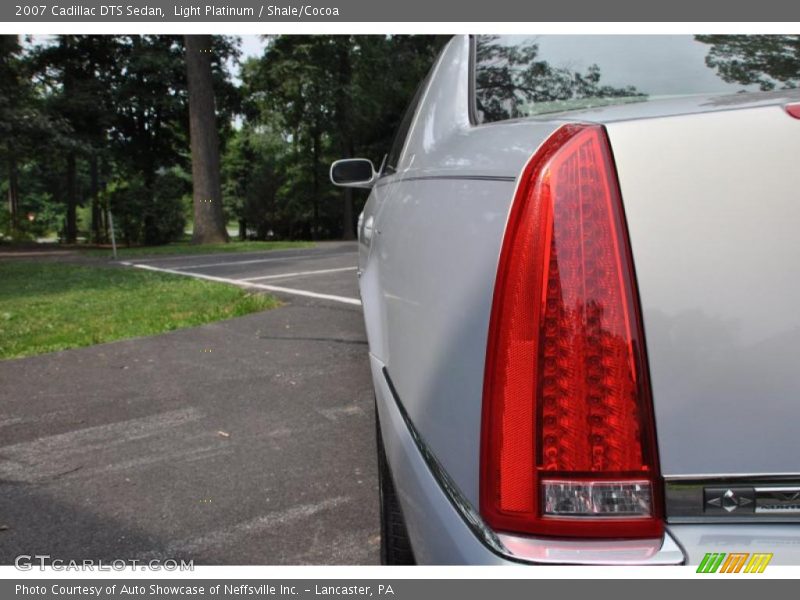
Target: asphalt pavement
247	441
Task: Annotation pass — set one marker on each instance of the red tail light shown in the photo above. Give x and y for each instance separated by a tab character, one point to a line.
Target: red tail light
793	109
568	442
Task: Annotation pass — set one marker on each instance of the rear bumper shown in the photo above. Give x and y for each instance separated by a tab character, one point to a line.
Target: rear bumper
782	540
445	529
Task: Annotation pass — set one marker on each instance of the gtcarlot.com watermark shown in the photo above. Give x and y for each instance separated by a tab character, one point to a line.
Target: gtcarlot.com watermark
28	562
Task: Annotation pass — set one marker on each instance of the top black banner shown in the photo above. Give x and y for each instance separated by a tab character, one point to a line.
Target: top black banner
472	11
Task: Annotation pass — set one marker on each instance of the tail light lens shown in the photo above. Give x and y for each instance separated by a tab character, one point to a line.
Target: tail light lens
793	109
568	441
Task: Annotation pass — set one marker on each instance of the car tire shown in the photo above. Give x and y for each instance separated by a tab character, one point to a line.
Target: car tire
395	545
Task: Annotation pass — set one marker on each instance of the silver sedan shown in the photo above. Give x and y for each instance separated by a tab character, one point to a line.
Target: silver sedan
580	274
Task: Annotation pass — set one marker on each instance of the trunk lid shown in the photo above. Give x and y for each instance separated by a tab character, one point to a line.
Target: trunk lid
712	200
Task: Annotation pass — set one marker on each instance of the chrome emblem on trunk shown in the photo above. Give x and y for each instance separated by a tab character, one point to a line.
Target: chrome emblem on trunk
728	500
741	500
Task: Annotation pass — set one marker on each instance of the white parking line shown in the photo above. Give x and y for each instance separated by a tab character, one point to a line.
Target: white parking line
298	274
247	284
251	261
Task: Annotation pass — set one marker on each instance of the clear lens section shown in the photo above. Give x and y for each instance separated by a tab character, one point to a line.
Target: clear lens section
597	498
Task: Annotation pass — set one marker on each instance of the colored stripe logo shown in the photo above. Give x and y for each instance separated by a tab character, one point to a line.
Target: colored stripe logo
734	562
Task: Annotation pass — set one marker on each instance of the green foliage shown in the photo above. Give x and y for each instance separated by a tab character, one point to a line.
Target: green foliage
46	307
142	216
88	122
28	133
252	177
80	111
126	199
26	230
308	101
165	218
25	124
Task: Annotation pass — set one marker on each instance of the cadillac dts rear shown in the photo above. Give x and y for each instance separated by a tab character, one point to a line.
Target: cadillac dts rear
624	388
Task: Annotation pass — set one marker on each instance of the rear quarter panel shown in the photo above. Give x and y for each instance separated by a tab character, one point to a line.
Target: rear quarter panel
428	282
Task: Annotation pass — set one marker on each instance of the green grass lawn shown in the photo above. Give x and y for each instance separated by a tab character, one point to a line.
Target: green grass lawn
187	248
50	306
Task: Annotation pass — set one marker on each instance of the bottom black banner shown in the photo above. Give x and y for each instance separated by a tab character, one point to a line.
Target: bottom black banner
393	589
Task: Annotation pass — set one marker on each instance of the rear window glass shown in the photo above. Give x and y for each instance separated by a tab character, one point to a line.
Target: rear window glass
523	76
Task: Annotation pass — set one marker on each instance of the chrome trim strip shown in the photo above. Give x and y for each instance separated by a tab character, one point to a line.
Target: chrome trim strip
530	550
734	477
398	178
653	552
686	503
506	178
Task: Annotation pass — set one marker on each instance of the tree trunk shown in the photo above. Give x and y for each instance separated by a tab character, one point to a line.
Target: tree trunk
315	182
13	192
71	233
95	194
209	221
106	230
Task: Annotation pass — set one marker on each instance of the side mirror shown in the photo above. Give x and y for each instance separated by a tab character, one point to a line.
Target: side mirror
353	172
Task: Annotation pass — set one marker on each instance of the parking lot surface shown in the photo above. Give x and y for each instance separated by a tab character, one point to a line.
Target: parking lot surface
248	441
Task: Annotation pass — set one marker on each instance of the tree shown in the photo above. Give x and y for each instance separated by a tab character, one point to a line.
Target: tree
254	168
148	136
331	97
342	113
76	74
105	121
30	134
150	133
769	61
12	91
296	74
509	78
209	221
